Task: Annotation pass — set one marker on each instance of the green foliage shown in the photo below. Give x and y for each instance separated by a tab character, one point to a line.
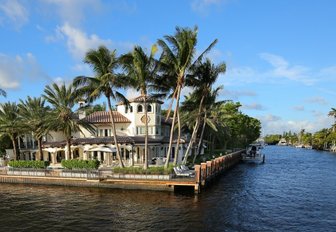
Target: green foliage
272	139
80	164
5	143
94	108
37	164
160	170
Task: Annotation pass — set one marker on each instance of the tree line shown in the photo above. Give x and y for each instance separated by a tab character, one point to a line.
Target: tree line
170	65
323	139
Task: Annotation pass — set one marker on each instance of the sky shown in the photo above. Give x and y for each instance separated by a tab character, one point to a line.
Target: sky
280	55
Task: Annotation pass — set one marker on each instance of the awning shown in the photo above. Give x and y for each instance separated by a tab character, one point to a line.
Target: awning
103	149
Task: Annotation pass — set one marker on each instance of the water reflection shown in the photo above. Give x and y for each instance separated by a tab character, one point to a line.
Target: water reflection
294	190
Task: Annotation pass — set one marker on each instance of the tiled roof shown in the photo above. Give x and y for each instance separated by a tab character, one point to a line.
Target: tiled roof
109	140
83	141
141	99
104	117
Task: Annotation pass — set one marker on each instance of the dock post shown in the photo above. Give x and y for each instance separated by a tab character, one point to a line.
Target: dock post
197	178
203	173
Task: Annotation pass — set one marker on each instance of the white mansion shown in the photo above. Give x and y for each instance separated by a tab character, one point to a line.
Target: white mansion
130	127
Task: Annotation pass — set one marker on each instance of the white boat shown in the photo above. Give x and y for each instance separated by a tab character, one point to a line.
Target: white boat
253	154
283	142
300	146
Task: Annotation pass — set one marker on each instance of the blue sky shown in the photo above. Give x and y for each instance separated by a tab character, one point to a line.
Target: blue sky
280	55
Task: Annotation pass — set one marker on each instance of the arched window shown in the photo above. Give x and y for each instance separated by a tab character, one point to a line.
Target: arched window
149	108
139	109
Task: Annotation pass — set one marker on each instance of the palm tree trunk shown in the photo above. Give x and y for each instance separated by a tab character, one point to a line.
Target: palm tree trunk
121	164
178	137
146	136
172	130
68	154
200	142
192	139
39	144
15	147
193	135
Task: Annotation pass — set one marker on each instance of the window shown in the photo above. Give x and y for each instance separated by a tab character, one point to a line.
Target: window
141	130
130	108
149	108
139	109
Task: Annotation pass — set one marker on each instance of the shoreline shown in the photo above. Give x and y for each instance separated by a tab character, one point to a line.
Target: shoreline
204	173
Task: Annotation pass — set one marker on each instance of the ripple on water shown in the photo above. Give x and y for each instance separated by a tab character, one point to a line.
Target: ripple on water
293	191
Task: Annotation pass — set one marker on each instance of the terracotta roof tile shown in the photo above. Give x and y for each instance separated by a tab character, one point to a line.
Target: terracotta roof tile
136	140
104	117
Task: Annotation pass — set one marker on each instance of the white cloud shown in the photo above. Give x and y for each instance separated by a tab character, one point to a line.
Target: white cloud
237	94
14	12
299	108
202	6
73	11
78	42
272	124
253	106
317	100
13	70
282	68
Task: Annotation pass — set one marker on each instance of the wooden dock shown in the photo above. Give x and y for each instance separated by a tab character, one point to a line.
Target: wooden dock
204	174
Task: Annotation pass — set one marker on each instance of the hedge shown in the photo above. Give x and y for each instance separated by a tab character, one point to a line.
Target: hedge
139	170
38	164
80	164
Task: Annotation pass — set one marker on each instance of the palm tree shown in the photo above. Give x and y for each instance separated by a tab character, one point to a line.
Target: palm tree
62	118
104	83
141	68
34	114
333	114
11	124
3	93
176	61
202	79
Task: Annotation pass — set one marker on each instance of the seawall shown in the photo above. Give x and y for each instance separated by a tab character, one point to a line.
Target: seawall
204	174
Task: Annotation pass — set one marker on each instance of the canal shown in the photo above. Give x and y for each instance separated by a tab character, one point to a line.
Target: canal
295	190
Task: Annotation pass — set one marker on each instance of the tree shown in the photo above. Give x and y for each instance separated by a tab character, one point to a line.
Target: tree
3	93
202	79
5	143
11	124
94	108
177	59
34	115
62	117
105	82
141	68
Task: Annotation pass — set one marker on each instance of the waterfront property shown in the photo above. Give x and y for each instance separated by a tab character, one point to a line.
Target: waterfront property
106	178
130	129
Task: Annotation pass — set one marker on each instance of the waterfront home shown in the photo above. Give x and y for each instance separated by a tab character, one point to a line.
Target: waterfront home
130	130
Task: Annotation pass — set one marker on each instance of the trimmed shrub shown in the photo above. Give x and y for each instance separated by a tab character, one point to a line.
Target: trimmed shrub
37	164
139	170
80	164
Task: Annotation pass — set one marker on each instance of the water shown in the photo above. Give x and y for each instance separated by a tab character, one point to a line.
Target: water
295	190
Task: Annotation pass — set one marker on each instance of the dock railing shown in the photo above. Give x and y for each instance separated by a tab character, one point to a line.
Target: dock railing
206	171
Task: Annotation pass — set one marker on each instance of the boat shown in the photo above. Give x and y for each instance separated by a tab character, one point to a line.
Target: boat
283	142
300	146
253	154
